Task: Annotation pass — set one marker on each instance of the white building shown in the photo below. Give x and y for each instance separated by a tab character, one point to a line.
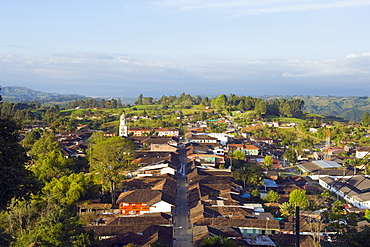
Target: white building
355	190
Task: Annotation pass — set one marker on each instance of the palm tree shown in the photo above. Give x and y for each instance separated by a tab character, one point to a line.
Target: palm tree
286	209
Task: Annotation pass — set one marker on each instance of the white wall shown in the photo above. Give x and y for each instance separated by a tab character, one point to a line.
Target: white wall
161	207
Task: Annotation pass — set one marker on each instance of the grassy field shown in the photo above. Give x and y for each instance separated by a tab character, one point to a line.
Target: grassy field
283	119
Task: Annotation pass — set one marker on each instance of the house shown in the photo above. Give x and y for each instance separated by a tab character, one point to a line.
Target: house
269	184
167	144
140	230
208	160
355	190
262	140
248	227
147	157
221	137
162	148
201	139
289	240
142	201
362	152
322	168
201	232
146	182
247	149
251	150
139	131
231	147
167	132
204	148
82	128
109	133
157	169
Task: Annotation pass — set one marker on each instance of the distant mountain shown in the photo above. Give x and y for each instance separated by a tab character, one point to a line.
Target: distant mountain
351	108
23	94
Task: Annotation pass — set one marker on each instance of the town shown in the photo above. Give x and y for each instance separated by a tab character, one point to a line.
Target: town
208	172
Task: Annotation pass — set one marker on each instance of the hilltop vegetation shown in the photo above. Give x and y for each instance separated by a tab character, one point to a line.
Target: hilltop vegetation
23	94
351	108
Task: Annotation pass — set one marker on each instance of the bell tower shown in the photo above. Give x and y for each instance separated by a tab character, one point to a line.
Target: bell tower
123	128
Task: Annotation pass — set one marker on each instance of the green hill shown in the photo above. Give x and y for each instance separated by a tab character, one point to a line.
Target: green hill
23	94
351	108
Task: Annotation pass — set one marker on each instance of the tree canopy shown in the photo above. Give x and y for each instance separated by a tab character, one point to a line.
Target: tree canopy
110	160
298	198
15	179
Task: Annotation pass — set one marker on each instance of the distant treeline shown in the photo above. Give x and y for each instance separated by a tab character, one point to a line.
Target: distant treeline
91	103
277	107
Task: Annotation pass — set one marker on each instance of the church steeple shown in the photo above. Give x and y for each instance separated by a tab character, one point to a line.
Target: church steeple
123	128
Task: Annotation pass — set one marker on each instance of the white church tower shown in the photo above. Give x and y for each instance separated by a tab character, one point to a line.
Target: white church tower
123	129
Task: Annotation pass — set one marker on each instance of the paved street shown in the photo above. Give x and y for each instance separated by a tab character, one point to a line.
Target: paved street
183	235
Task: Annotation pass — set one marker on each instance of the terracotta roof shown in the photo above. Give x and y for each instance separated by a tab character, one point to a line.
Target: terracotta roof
145	182
289	240
164	189
250	147
139	230
242	222
161	233
147	196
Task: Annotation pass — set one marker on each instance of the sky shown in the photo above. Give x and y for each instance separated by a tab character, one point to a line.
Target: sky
123	48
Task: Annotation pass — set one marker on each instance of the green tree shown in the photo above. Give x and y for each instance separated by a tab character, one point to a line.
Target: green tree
298	198
366	119
53	225
286	209
30	138
239	155
249	174
44	145
267	162
290	155
69	189
217	241
15	179
260	107
367	214
272	196
111	159
139	100
255	193
51	165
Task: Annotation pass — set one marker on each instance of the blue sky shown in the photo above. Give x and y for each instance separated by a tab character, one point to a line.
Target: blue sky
166	47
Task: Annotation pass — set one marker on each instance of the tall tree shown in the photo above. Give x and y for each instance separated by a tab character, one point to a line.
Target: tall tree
298	198
111	159
15	179
366	119
272	196
44	145
267	162
260	107
139	100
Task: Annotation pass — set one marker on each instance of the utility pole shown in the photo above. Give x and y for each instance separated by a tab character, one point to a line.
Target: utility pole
297	226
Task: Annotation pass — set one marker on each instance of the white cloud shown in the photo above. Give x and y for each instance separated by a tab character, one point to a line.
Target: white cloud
248	7
125	71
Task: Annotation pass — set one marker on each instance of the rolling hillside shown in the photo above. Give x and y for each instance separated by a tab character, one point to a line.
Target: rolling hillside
23	94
